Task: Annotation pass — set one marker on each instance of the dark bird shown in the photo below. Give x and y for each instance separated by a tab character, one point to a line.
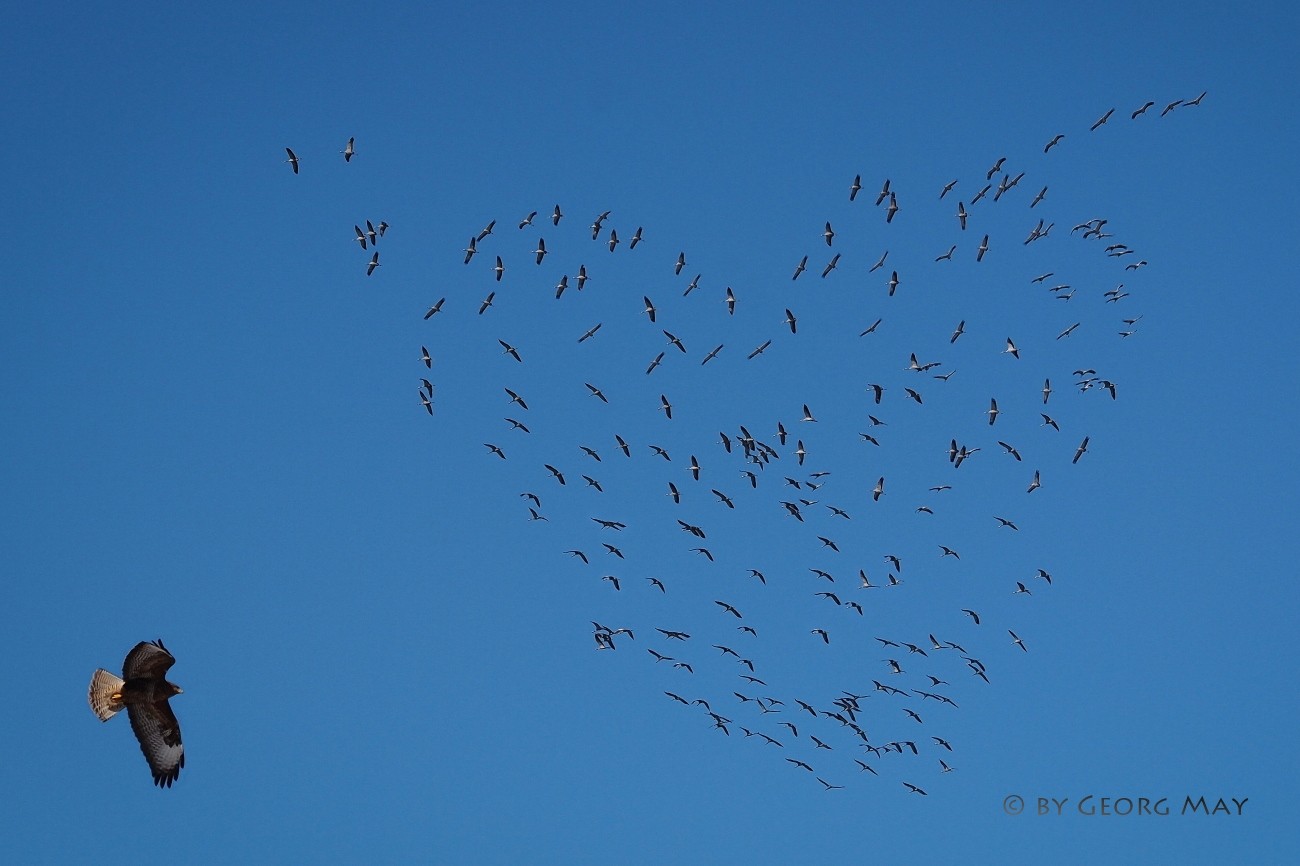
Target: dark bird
962	215
1083	446
664	405
435	309
511	351
947	188
1171	106
915	790
558	475
292	160
655	363
893	208
993	412
884	193
1002	521
709	357
984	248
555	215
1054	142
426	357
681	263
855	186
822	633
728	608
144	691
1048	421
495	450
1105	117
879	491
799	269
1035	484
374	263
596	392
487	302
361	236
636	239
515	398
1017	641
830	266
760	350
972	614
580	555
996	167
874	325
349	150
1141	110
591	332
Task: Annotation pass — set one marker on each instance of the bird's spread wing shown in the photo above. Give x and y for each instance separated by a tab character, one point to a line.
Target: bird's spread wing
147	659
159	734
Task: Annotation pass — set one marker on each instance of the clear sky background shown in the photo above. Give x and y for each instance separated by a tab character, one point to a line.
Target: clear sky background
212	432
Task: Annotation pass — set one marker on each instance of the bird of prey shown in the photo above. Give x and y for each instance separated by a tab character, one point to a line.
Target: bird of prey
144	690
349	150
293	159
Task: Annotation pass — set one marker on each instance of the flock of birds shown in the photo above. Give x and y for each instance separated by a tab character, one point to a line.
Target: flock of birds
766	481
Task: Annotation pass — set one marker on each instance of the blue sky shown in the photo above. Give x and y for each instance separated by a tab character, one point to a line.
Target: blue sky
214	435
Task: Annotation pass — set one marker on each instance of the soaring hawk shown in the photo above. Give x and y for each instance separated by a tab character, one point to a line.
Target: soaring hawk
144	692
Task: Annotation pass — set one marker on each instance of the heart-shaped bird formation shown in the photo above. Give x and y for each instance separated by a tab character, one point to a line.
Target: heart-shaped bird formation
819	516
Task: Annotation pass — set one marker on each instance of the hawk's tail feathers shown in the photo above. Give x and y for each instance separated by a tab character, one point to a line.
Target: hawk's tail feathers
103	686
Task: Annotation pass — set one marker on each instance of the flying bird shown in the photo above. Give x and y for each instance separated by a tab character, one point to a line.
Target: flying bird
293	159
144	690
349	150
1105	117
1083	446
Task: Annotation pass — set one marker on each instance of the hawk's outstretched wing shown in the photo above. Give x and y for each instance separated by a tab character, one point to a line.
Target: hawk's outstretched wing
159	734
147	659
